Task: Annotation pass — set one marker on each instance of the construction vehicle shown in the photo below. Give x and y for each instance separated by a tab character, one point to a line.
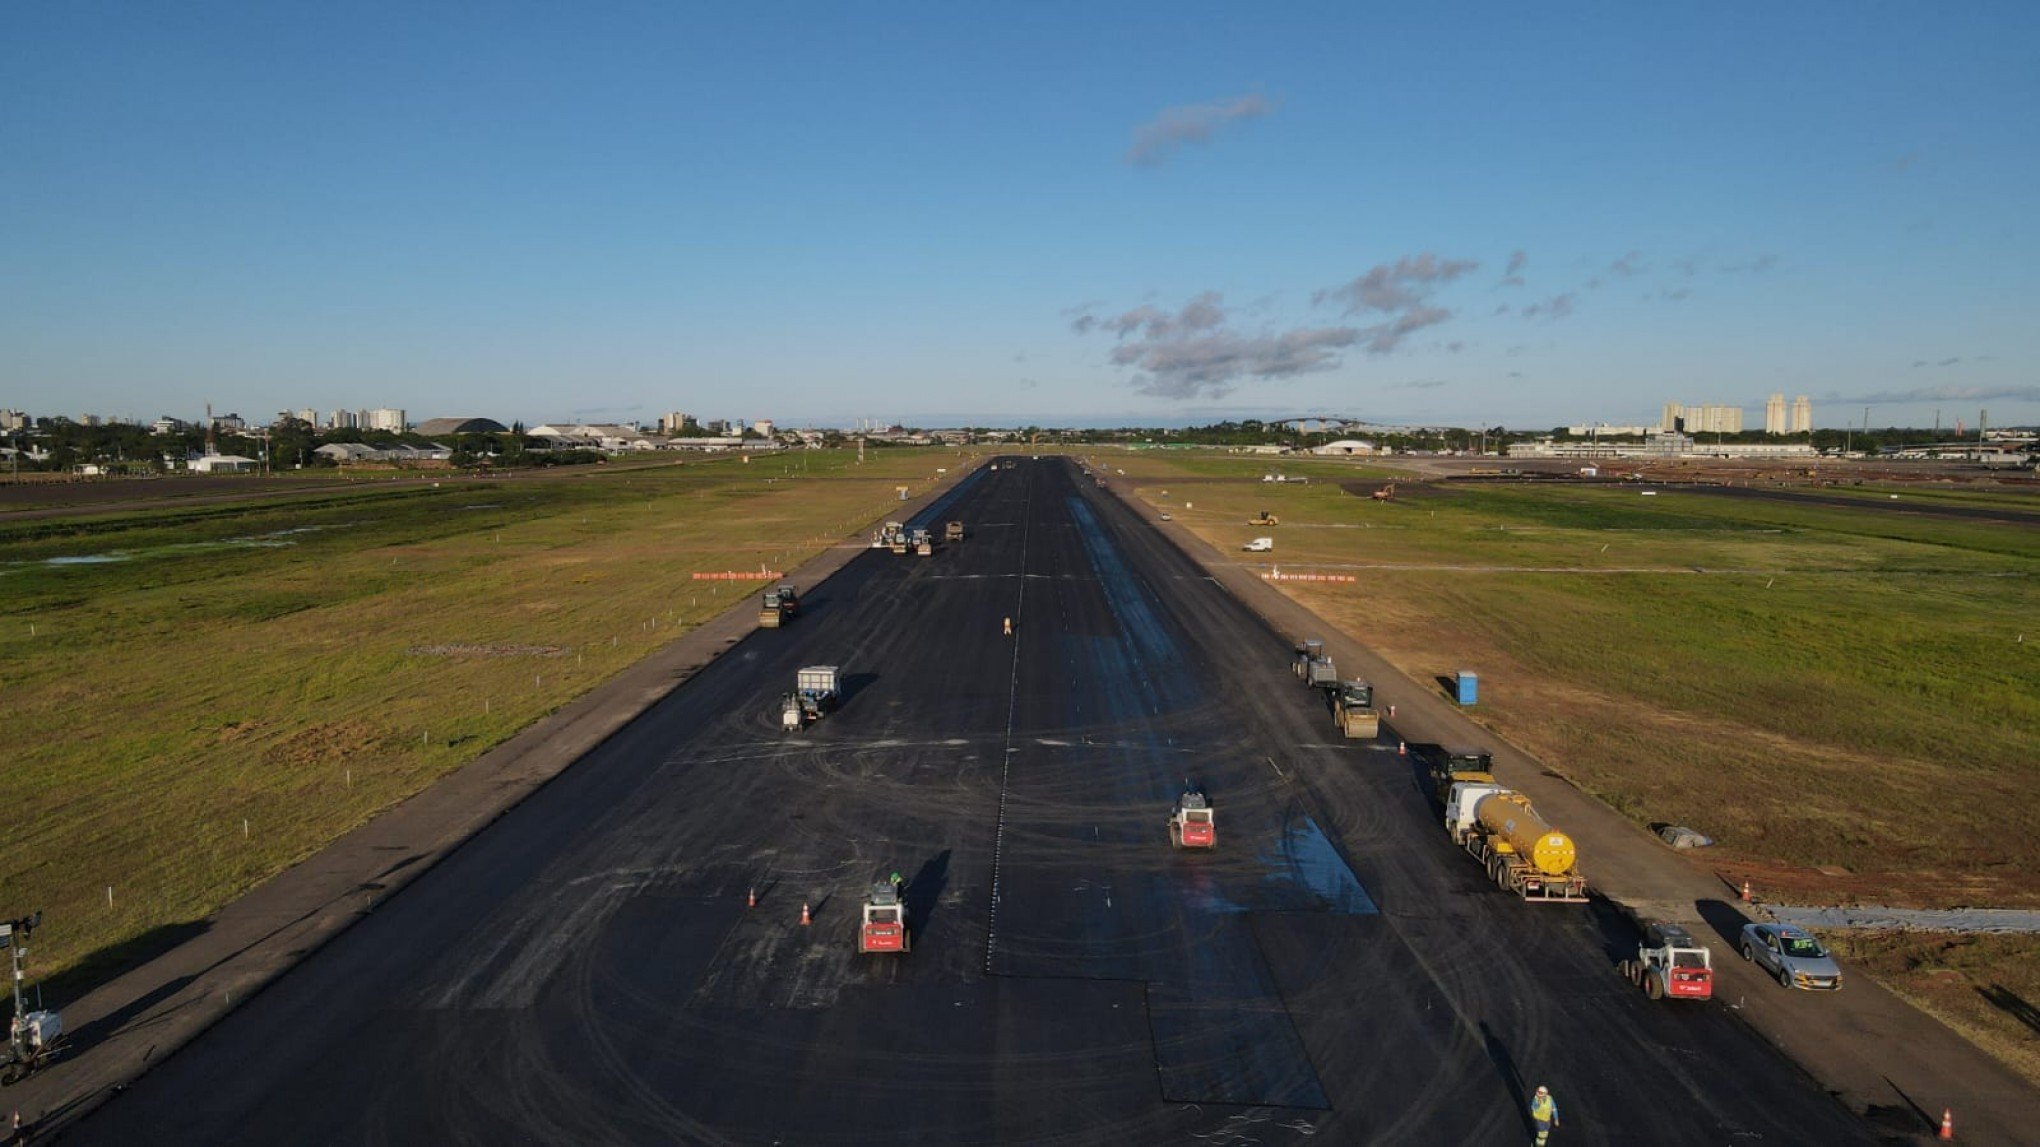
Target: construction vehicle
1522	854
885	918
772	610
1450	767
1670	963
34	1038
1354	712
1266	519
1385	494
923	542
1321	673
789	600
1308	650
1191	824
815	692
890	536
953	532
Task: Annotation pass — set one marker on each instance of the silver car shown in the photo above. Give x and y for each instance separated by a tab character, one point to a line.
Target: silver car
1791	954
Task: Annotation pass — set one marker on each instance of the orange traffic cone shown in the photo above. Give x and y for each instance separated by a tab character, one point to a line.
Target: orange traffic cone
805	918
1402	749
1947	1124
1746	891
751	901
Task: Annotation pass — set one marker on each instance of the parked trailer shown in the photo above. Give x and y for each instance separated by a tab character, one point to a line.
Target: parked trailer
34	1037
1523	854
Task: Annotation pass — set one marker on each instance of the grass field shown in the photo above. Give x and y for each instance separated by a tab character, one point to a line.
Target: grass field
1841	697
198	696
1816	687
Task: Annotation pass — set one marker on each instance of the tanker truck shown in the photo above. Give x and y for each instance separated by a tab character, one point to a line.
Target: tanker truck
1523	854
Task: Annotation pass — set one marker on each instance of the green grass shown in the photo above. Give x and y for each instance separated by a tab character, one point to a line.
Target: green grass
227	669
1812	685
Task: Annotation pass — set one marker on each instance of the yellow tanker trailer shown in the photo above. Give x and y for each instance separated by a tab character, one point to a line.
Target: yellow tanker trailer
1521	851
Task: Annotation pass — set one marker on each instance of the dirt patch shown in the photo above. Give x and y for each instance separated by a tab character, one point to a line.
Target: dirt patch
486	651
322	744
1985	987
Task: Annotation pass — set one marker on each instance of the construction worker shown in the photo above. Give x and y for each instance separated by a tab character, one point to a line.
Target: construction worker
1009	627
1544	1113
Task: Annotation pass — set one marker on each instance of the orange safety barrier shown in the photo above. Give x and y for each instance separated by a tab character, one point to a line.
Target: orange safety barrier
741	575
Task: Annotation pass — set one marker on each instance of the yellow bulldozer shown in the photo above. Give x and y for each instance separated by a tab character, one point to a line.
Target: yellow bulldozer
1266	519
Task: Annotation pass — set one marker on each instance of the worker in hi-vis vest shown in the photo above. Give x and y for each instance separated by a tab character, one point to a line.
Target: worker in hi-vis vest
1544	1113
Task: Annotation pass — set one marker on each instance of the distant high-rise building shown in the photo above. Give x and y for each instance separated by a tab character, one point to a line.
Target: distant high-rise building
342	420
1702	417
1802	415
13	420
1774	414
383	418
763	426
672	423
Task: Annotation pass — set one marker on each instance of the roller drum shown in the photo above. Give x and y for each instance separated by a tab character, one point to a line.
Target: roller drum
1509	817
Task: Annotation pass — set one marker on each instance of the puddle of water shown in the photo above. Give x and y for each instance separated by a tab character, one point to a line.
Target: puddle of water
1309	860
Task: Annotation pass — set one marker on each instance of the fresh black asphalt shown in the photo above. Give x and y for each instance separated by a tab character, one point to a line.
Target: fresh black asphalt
586	969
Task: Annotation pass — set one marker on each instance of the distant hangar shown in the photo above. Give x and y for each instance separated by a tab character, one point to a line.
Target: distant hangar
434	427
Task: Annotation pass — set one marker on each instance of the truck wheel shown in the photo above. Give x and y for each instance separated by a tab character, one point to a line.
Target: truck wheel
1654	986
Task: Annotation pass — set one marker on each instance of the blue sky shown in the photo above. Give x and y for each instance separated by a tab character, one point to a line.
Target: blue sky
1477	214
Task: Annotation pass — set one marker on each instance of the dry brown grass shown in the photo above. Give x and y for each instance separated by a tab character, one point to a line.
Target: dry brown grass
1987	987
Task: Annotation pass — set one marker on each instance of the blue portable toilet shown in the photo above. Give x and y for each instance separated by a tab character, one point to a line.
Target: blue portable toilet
1469	687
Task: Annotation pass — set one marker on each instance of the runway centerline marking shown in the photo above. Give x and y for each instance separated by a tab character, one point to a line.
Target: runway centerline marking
1012	707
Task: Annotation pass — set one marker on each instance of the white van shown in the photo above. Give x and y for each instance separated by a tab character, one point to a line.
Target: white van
1259	545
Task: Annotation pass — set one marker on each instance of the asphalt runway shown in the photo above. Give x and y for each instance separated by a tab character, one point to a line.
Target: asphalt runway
586	969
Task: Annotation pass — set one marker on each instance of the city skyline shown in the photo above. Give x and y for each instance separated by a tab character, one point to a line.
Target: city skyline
1477	215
